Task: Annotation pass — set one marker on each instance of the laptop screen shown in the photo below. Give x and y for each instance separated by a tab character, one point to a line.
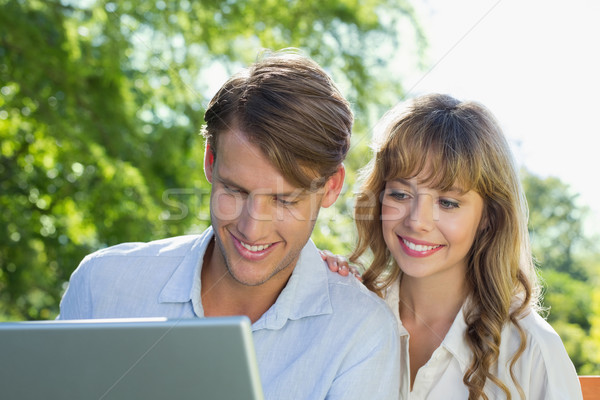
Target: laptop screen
207	358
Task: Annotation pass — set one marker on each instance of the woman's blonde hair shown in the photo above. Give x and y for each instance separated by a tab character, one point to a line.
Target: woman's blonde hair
458	143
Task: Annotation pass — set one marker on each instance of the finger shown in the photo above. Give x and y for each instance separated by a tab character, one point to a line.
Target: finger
343	261
354	271
332	264
325	254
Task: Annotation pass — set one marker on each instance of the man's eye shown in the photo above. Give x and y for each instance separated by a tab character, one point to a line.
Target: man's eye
285	202
232	190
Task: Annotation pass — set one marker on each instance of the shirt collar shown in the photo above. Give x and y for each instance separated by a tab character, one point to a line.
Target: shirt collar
184	284
306	293
392	299
455	341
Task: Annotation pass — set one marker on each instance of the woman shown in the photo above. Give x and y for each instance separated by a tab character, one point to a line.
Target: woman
442	210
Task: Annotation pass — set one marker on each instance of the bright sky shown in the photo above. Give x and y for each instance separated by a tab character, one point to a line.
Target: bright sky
536	65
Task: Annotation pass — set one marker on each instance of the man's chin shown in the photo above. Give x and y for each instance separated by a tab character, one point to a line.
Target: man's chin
252	280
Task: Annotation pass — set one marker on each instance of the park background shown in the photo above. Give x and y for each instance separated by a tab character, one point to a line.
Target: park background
101	104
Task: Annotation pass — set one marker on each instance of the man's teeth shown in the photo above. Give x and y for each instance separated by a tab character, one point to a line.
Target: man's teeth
419	247
255	248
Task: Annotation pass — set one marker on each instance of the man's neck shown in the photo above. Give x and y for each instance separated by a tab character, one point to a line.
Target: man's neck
221	295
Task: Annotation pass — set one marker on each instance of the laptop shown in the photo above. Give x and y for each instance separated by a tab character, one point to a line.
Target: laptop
118	359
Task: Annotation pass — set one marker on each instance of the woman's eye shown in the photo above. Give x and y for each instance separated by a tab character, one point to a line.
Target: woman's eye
397	195
448	204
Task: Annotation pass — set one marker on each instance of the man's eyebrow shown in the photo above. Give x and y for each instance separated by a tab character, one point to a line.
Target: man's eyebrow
297	192
229	182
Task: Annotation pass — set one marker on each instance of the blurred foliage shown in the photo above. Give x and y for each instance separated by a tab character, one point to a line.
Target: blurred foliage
100	108
569	266
556	225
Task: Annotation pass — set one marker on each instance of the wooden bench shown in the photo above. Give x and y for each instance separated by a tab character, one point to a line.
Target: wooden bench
590	386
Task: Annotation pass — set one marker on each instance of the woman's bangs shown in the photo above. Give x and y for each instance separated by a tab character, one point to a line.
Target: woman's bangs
449	171
437	163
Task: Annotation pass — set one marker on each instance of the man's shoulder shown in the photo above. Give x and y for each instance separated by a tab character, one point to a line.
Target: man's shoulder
177	246
348	294
143	257
349	285
343	295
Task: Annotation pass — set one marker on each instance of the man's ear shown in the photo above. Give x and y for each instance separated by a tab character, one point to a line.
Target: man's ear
209	161
333	187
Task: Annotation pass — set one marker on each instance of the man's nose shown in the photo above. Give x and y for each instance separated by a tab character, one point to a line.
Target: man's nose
256	218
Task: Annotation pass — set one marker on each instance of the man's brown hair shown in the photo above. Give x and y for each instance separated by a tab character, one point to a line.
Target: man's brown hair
292	110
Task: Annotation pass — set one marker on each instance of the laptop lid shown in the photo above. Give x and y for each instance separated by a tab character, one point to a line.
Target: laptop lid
150	359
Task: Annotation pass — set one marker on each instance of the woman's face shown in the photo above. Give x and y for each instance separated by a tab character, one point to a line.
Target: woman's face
429	233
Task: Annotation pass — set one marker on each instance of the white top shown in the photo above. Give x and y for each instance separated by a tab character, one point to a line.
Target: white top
544	370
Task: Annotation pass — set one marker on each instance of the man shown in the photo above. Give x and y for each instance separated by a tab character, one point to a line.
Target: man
276	137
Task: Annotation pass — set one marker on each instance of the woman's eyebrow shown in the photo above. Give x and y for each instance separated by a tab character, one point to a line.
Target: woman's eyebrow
456	189
402	181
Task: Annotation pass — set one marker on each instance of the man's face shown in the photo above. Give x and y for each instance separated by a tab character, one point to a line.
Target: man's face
261	221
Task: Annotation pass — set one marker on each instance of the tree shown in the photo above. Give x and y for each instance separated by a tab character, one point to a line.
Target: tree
101	107
563	255
556	224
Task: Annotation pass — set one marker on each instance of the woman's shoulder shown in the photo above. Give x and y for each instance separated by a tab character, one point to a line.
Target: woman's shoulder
546	354
542	341
539	332
544	348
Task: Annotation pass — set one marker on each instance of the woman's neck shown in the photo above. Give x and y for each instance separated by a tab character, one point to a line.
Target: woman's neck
430	300
428	308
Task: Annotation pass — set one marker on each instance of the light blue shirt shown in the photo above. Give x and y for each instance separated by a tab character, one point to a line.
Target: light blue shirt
326	336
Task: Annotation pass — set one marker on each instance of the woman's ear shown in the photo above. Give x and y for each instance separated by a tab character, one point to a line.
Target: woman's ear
209	161
484	224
